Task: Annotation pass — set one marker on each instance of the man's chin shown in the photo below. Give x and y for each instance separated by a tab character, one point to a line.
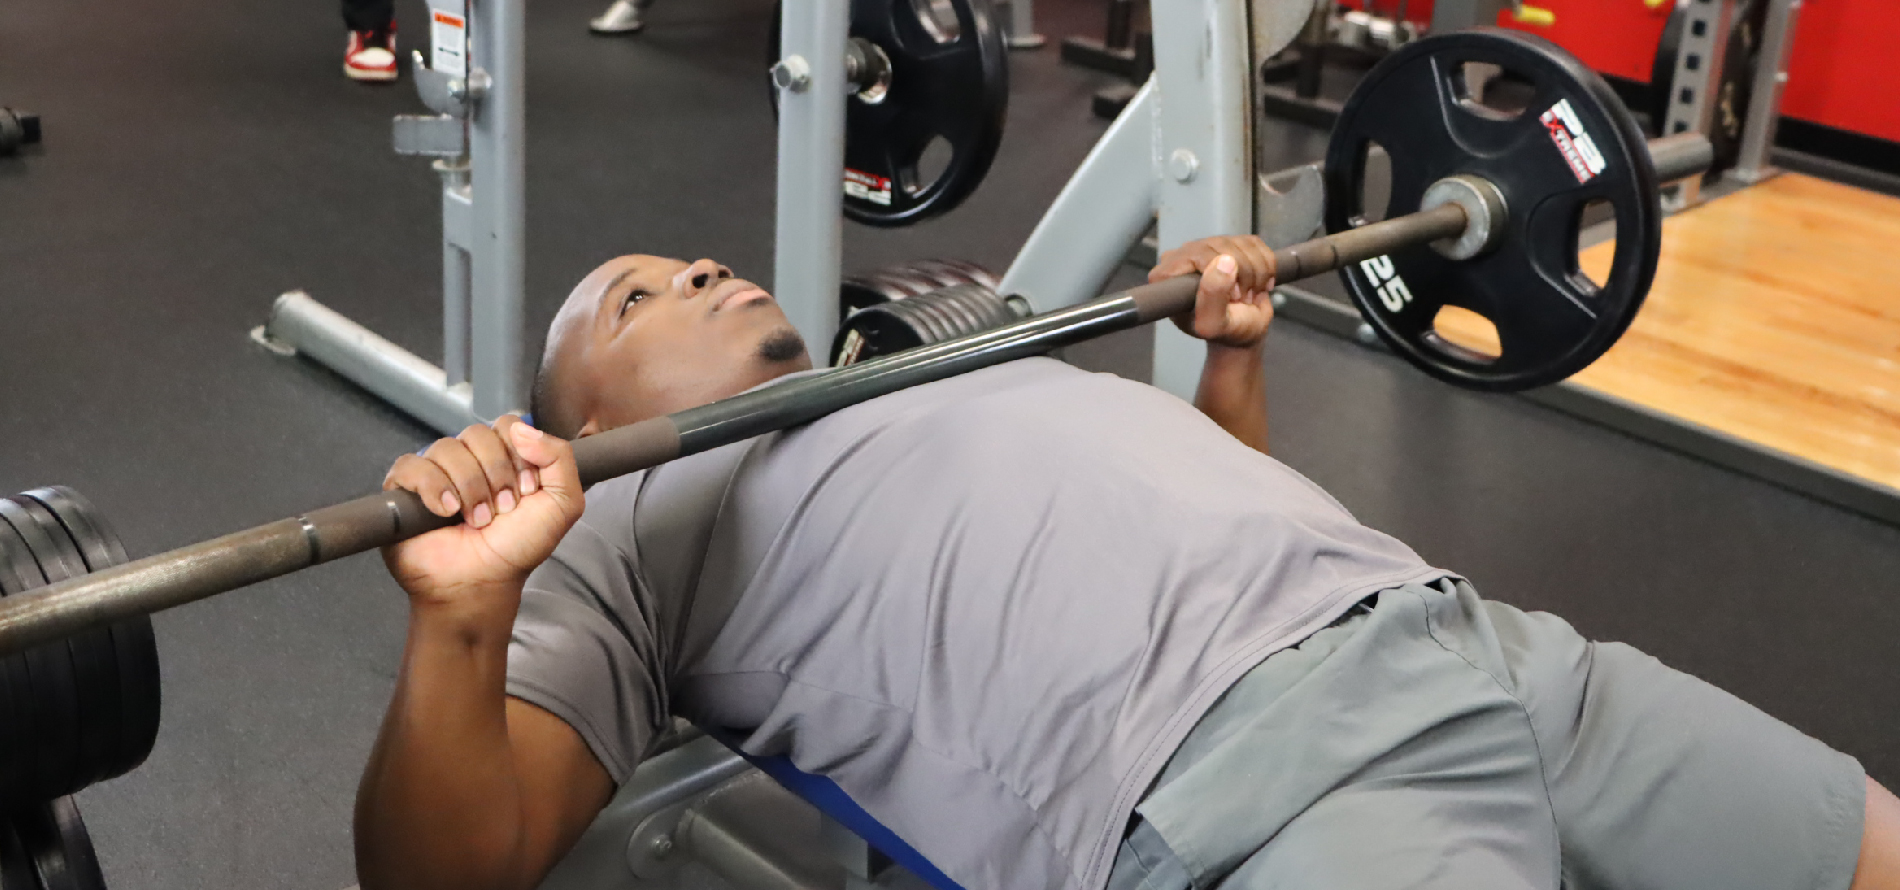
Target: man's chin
783	346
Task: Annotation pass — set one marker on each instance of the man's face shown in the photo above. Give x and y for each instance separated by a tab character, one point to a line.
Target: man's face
644	336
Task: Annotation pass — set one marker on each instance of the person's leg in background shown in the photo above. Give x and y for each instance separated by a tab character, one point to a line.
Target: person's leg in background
623	17
371	53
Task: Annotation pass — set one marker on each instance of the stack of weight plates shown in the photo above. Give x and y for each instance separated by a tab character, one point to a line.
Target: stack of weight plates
45	847
908	280
72	712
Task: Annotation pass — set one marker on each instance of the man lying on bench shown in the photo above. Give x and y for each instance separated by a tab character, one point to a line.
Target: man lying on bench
1055	629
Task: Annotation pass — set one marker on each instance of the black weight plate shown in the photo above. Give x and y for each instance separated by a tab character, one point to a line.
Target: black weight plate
931	325
132	638
18	741
940	273
953	86
882	332
39	835
968	271
1734	87
95	663
949	80
858	294
82	861
55	694
16	867
1572	144
910	283
963	319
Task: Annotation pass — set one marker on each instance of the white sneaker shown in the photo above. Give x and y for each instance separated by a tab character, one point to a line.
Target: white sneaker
371	56
623	17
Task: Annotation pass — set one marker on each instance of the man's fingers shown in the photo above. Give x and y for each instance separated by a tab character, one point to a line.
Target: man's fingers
1260	269
1170	267
1191	257
553	460
414	473
528	479
466	475
498	465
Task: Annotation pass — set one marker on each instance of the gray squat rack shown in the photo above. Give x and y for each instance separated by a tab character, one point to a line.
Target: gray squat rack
1180	151
475	82
1697	81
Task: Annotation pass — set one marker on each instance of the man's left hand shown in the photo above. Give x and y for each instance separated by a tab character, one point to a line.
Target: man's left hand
1232	306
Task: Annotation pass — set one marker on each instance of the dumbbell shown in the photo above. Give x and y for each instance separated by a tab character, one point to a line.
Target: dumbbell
17	128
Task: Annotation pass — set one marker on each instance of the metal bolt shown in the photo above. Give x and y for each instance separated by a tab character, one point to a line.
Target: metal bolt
1366	335
1182	165
792	73
663	845
470	89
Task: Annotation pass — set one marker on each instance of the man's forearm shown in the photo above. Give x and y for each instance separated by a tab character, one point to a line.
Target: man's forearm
440	804
1233	392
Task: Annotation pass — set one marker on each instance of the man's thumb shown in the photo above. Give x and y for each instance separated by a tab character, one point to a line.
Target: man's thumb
1210	304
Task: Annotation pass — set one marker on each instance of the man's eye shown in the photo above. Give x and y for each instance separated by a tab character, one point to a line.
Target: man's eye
632	298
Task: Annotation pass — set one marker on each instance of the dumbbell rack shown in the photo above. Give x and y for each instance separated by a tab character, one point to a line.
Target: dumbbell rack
478	136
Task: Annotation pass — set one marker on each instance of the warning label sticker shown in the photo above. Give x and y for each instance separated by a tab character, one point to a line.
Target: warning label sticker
1579	150
866	187
449	42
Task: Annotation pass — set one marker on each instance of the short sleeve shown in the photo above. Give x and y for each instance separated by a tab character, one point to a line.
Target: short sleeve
585	646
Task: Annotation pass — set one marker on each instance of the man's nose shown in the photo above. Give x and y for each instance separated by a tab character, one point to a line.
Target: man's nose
701	275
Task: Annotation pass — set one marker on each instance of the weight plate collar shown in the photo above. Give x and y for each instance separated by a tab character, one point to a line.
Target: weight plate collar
1571	145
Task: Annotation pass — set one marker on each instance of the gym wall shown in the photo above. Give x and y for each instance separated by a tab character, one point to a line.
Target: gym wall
1842	74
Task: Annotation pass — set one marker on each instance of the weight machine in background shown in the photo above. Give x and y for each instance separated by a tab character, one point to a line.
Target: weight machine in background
1710	91
478	138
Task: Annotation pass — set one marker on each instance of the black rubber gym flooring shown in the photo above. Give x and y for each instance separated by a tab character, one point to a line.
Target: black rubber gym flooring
202	157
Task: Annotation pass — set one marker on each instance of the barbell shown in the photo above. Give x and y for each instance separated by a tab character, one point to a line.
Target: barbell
1480	203
227	563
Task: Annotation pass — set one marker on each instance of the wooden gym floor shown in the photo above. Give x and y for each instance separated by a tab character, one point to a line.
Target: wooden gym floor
1775	318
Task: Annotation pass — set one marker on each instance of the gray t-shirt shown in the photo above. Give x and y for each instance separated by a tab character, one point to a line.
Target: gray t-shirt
989	608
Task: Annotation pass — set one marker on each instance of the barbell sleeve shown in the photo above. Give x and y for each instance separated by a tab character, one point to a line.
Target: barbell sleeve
243	558
1681	156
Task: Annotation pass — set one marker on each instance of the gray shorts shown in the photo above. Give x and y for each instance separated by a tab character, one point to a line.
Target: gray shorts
1439	740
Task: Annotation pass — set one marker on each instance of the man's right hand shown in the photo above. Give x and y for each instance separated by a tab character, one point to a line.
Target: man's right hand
518	492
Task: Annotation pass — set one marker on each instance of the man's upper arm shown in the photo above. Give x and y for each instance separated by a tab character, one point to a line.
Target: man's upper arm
586	644
563	785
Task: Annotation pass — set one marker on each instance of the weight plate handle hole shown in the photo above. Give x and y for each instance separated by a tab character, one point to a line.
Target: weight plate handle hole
1493	92
939	20
1373	195
1464	334
931	165
1595	225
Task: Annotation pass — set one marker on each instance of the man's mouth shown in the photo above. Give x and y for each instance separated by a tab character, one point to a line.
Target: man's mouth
737	293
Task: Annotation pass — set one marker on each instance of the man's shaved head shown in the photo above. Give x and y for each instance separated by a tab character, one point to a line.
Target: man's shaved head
643	336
